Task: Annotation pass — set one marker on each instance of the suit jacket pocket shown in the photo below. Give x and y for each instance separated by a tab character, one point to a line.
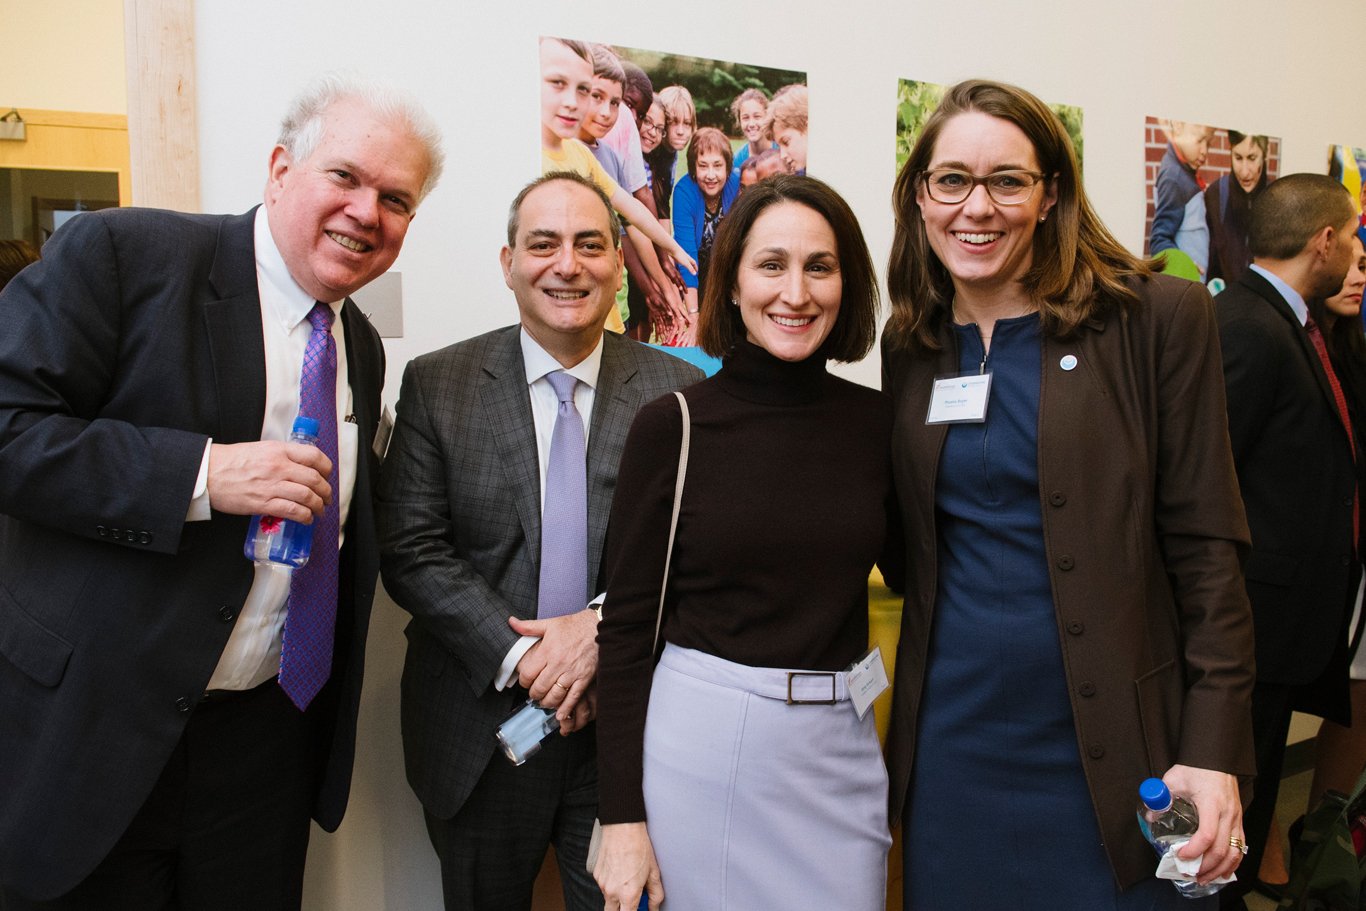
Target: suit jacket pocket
30	646
1159	709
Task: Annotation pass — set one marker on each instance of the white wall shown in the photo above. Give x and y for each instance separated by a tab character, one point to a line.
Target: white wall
1250	64
62	55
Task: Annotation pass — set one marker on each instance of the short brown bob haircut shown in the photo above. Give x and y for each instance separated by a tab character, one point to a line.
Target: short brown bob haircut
708	141
1079	270
722	328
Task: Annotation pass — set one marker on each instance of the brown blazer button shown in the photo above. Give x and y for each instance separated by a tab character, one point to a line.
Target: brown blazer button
1087	688
1065	562
1057	498
182	704
1076	627
1095	751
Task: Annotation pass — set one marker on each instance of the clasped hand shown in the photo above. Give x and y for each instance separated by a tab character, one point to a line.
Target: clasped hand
558	670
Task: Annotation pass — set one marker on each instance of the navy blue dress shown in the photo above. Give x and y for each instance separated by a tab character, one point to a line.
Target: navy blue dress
999	815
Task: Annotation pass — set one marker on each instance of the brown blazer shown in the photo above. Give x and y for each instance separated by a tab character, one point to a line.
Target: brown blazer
1144	531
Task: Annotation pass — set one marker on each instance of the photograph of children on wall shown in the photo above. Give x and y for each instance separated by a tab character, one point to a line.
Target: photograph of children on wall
1348	165
916	101
1200	182
673	140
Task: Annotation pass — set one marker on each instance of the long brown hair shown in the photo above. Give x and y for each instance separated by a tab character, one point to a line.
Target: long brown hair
1078	268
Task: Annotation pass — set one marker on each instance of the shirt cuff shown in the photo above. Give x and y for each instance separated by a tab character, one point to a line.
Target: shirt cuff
507	671
200	510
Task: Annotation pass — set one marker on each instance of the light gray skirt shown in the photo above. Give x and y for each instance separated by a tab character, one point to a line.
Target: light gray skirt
753	803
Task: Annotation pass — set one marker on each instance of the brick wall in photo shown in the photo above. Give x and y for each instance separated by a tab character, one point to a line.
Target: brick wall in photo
1217	163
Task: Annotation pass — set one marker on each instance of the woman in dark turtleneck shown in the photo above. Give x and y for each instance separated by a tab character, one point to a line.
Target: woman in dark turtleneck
755	796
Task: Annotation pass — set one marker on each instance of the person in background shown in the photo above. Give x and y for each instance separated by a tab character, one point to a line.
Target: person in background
645	311
1287	411
566	101
1228	207
14	256
701	200
749	110
738	766
1340	749
1075	620
638	254
680	117
1178	179
659	167
787	125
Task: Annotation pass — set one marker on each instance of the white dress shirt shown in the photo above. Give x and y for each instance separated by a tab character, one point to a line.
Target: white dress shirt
545	407
252	655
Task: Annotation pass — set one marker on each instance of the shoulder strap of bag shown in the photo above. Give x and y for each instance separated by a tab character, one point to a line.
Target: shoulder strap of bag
673	520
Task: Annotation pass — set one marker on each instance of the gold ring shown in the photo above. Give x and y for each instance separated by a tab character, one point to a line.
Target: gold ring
563	687
1237	843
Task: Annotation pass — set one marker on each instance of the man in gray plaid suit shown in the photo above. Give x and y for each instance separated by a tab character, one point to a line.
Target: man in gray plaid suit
460	520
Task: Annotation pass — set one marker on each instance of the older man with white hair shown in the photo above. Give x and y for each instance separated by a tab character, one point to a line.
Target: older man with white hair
172	715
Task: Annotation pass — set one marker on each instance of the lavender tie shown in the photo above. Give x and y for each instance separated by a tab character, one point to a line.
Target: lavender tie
564	517
310	621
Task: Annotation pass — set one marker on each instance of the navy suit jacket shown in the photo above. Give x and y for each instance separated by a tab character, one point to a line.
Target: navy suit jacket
1297	476
137	338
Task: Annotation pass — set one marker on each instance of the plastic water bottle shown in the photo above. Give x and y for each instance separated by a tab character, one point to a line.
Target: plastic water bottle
1168	823
283	541
521	734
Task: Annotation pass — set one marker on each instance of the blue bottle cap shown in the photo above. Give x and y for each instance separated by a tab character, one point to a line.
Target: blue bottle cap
1154	794
306	425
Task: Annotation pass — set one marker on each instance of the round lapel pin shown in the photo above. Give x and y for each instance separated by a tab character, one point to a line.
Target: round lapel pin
1068	362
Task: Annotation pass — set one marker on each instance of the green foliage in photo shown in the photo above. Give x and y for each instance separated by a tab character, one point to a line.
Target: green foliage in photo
713	84
915	101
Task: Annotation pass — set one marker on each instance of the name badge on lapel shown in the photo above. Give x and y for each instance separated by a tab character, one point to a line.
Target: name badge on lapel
960	399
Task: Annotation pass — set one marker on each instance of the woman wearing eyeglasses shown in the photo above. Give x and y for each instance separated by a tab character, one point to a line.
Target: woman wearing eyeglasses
1075	619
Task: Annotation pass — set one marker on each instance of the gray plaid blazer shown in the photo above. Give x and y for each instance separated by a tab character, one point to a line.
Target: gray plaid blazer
460	534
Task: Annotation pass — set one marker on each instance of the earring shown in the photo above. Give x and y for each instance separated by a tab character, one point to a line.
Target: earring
734	302
1043	218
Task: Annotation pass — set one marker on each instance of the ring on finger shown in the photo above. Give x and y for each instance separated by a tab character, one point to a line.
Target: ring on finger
1237	844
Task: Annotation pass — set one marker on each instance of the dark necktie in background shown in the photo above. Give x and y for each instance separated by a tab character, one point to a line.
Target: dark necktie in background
1316	336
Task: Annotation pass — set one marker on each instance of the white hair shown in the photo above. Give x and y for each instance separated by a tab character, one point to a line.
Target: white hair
302	125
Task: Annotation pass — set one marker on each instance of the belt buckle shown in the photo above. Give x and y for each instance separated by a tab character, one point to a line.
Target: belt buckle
794	701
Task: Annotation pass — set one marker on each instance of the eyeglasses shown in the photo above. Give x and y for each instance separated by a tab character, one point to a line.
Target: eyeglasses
648	126
1006	188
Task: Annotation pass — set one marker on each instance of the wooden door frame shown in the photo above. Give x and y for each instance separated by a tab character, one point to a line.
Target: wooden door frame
163	140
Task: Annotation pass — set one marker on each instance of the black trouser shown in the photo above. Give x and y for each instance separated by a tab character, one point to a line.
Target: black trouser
226	825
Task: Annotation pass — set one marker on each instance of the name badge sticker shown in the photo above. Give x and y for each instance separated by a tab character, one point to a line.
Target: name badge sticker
867	680
959	399
383	433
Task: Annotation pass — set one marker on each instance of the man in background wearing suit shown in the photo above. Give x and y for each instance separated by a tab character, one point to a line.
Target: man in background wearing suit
1294	452
151	368
493	543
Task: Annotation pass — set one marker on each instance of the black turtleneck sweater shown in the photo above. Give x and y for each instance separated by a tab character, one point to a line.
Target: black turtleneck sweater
783	516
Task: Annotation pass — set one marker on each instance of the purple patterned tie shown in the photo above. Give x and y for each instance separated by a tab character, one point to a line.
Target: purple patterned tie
311	617
564	517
